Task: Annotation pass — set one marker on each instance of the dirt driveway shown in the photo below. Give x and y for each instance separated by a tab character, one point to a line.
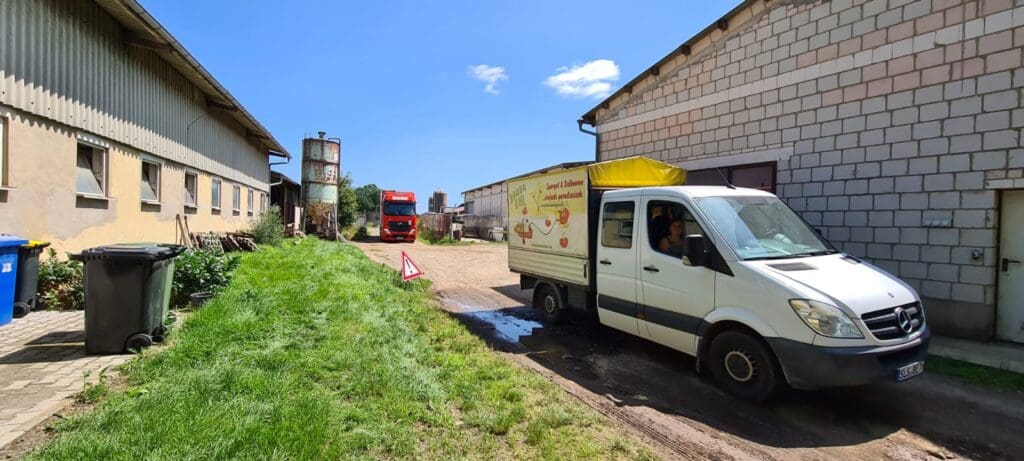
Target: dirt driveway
655	393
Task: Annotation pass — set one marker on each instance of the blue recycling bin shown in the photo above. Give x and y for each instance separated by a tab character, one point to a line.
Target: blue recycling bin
9	248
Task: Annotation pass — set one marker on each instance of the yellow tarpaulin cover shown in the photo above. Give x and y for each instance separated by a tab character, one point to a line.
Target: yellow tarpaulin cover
635	172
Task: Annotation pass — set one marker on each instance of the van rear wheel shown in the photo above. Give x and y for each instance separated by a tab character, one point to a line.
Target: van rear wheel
744	366
548	303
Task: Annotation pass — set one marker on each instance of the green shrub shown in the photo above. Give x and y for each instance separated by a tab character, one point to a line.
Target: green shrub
197	271
361	234
268	228
354	233
60	284
435	238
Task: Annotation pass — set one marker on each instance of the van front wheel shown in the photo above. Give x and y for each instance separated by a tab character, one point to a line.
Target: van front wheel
548	303
744	366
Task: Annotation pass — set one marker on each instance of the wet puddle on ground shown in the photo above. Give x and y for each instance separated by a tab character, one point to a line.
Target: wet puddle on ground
507	327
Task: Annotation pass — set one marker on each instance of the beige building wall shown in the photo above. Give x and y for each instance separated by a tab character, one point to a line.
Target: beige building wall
72	72
39	200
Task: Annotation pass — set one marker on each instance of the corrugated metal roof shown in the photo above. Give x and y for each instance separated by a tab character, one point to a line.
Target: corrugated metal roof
146	31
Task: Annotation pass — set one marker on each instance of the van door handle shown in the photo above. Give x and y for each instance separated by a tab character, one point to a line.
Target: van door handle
1006	263
606	262
651	268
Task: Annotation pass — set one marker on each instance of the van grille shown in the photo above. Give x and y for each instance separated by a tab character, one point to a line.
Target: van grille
884	323
399	226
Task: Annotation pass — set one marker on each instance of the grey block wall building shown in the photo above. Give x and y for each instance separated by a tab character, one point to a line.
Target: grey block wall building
894	126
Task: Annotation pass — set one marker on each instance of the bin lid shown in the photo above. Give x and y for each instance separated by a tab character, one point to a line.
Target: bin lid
11	241
33	244
134	251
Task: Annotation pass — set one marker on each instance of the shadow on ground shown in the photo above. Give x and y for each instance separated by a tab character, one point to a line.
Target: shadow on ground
55	346
59	337
635	372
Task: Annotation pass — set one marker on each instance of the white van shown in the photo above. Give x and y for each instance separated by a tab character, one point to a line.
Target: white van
734	277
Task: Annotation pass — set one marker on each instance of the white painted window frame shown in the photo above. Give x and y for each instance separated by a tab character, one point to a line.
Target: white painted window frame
215	204
159	181
105	185
236	198
195	194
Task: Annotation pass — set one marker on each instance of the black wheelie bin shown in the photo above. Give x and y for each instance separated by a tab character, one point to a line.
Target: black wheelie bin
28	277
127	290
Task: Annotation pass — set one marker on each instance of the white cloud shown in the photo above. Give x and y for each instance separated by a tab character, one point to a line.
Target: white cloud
590	80
490	75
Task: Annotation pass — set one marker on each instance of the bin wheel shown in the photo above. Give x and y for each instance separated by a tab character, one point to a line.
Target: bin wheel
138	342
21	310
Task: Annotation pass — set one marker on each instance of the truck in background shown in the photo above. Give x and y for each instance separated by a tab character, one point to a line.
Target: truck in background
729	275
398	219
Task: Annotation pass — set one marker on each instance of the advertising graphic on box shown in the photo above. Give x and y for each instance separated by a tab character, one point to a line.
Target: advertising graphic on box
549	212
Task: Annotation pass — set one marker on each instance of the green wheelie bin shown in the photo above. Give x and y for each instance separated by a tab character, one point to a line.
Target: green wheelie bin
127	292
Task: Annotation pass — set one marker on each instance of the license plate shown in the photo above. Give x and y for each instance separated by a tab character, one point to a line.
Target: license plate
909	371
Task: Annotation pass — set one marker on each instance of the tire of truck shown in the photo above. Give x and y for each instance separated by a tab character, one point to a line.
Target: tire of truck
744	366
548	303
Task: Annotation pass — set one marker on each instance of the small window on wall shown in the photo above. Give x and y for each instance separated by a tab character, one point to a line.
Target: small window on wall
617	225
263	202
236	198
91	171
4	180
755	176
249	201
150	192
191	189
215	194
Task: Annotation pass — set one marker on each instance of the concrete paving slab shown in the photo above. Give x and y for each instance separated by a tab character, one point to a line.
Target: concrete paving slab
42	363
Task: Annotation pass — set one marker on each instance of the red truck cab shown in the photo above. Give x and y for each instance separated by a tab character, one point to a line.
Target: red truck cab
398	218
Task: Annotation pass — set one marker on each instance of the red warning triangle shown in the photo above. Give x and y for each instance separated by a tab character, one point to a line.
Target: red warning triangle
409	269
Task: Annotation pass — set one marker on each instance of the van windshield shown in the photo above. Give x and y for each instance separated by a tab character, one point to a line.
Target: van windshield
760	227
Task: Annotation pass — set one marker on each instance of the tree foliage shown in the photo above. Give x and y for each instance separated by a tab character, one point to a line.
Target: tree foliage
369	197
347	202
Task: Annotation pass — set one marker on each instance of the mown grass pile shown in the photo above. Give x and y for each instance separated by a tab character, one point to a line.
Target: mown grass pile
315	352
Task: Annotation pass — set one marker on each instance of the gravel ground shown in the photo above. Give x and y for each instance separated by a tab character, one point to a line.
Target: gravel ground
655	393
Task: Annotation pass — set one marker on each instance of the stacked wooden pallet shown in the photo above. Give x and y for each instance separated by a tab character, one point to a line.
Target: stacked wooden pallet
231	241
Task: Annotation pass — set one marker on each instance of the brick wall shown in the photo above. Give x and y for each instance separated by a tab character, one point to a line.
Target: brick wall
894	124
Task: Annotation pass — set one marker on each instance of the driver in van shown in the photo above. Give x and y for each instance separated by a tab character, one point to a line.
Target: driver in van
673	243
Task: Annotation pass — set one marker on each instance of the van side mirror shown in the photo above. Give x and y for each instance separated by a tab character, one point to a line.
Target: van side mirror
696	253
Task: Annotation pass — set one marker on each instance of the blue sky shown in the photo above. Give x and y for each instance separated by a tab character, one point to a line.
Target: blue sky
414	89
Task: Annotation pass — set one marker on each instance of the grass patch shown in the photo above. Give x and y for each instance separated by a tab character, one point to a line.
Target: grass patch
976	374
315	352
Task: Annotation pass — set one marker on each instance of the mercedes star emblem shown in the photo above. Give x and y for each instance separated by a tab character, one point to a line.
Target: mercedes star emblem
903	320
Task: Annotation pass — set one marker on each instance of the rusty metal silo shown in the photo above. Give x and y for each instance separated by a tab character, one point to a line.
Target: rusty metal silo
321	166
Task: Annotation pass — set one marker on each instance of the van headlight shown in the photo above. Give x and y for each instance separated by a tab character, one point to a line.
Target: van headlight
825	319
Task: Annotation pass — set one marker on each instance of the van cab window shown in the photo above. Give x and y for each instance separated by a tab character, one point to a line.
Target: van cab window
762	227
668	224
617	225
